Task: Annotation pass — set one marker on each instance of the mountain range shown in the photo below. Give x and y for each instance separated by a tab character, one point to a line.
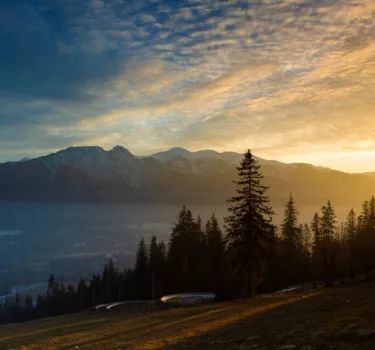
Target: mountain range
91	174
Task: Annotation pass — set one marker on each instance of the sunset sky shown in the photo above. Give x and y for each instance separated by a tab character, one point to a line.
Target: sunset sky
294	80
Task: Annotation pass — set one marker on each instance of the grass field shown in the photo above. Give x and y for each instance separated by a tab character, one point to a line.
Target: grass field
340	318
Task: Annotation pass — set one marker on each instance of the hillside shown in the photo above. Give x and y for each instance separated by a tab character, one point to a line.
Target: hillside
340	318
91	174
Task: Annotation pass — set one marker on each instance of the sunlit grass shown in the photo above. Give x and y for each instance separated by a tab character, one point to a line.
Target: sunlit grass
303	319
207	326
142	331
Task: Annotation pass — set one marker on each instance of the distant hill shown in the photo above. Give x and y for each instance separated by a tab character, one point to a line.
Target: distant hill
372	174
91	174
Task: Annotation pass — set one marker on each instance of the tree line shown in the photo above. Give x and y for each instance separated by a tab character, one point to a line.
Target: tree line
252	255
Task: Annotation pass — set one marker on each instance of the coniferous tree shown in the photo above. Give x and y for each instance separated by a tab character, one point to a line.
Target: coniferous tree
371	207
17	302
328	228
157	265
341	254
176	253
154	254
291	243
290	229
372	232
366	236
53	287
295	256
344	250
142	276
52	300
83	292
199	228
162	251
217	272
306	238
351	230
201	260
40	304
315	229
184	254
365	212
108	281
249	226
161	283
96	290
317	248
275	278
307	253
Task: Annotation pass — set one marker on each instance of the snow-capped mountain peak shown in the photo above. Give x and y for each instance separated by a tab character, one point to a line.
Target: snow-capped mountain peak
171	153
178	175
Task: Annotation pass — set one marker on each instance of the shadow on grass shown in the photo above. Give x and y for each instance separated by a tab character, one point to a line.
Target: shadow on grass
260	323
229	330
320	321
164	332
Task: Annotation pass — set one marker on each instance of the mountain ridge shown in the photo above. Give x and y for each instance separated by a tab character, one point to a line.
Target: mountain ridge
92	174
183	152
180	151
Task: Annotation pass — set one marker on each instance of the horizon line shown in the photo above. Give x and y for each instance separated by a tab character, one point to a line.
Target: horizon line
182	149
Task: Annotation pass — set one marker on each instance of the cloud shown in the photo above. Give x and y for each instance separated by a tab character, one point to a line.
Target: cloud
34	65
281	76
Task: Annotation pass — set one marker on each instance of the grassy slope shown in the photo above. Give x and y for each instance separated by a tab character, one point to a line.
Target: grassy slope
342	318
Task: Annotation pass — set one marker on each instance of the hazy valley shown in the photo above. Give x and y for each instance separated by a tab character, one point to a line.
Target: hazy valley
78	206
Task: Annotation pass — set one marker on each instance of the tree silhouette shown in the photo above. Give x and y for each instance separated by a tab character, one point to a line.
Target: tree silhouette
328	227
249	226
141	272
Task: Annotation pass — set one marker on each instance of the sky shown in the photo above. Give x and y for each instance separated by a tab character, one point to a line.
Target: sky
293	80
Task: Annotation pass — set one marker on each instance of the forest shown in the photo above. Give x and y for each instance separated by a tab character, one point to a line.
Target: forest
248	256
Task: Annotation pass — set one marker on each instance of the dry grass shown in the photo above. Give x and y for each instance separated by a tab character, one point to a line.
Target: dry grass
342	318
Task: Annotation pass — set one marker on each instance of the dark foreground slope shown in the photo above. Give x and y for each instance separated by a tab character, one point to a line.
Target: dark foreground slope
342	318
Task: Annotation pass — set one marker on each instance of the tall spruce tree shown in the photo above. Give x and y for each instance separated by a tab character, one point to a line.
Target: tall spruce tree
157	265
317	255
290	228
154	254
351	230
142	275
162	251
328	228
162	275
351	226
306	238
294	257
201	260
249	226
366	236
108	279
217	266
328	222
184	257
315	228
